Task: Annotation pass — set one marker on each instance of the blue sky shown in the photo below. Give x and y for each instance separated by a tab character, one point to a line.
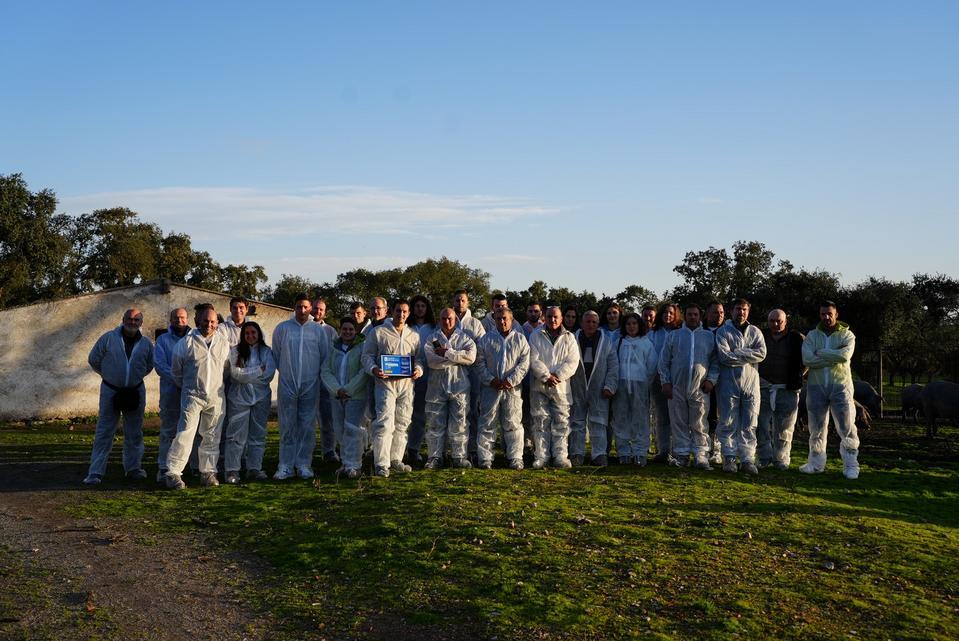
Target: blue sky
586	146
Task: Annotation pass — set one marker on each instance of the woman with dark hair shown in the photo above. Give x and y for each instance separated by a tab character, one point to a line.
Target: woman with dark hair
638	361
611	320
571	318
252	367
423	321
667	320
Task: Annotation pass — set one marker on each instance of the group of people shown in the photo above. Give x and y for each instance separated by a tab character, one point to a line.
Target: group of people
715	390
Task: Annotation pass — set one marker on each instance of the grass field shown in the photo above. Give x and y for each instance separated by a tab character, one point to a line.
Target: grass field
587	553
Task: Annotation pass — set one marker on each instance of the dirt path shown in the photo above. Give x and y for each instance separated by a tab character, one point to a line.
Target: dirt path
63	577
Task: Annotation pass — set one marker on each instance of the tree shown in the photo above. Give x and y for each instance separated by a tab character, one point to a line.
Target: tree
285	291
713	273
635	297
32	249
112	248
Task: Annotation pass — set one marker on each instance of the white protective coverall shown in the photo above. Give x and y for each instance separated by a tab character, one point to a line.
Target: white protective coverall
448	392
637	366
417	431
248	408
590	410
169	393
108	358
473	328
392	397
230	330
688	360
199	371
549	406
739	354
324	408
343	370
829	390
300	350
660	403
505	358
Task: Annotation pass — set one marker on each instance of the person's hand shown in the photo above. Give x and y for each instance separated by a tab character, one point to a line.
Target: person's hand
416	373
607	394
708	386
668	390
440	351
341	394
377	372
505	385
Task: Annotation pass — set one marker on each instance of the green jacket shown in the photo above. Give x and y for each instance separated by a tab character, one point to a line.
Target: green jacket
356	379
827	355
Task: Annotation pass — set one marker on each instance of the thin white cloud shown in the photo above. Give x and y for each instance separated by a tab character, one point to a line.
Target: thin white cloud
329	266
709	200
225	213
514	259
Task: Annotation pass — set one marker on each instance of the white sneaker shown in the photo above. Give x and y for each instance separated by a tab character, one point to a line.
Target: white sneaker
400	466
92	479
283	474
850	464
304	472
810	468
538	464
382	471
702	463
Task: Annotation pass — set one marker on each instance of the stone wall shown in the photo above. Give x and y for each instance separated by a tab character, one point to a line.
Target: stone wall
44	346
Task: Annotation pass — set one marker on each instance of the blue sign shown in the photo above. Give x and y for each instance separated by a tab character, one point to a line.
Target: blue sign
396	365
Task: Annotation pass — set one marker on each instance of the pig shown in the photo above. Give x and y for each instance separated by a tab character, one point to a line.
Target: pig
867	396
911	402
940	399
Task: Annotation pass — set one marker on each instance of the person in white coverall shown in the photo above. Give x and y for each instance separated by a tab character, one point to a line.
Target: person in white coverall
449	353
666	321
473	328
122	357
689	370
252	367
637	367
827	351
200	362
424	322
346	381
230	328
553	359
392	395
300	346
593	385
502	361
324	409
740	348
169	392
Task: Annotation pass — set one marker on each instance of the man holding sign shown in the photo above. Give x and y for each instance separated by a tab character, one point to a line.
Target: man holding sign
393	357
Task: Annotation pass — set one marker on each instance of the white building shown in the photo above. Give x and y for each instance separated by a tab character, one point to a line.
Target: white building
44	346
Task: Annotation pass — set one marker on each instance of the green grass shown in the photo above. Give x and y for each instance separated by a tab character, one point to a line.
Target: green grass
614	554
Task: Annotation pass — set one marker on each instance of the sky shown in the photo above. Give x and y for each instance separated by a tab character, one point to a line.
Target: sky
587	145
